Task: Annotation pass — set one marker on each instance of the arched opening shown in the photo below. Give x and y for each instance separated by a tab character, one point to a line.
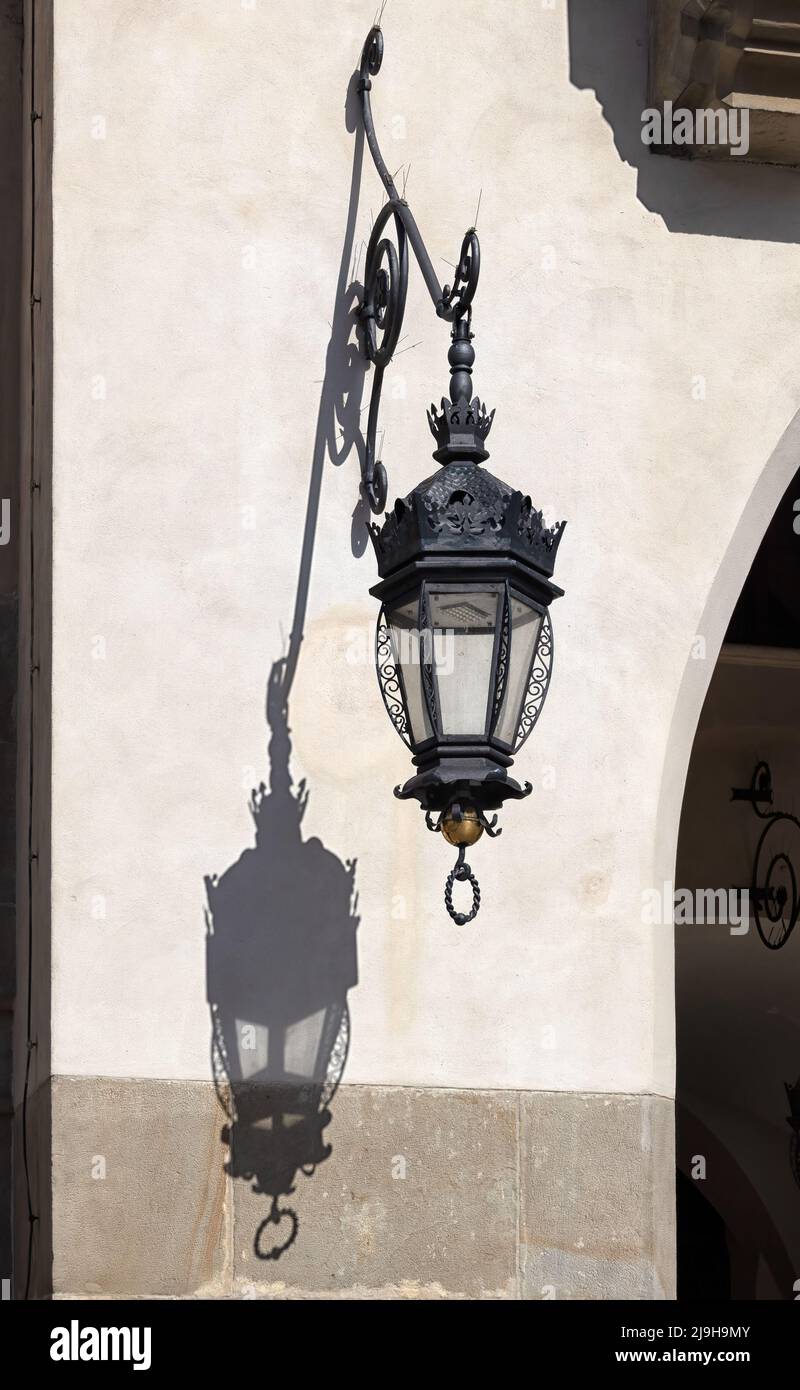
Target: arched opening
737	947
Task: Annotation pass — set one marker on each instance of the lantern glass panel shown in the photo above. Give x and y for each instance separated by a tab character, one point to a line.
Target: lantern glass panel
463	626
407	648
525	625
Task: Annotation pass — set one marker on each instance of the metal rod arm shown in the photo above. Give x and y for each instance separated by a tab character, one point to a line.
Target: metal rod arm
371	59
386	275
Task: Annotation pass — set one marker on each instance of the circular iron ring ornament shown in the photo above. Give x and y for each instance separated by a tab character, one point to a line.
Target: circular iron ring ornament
773	882
776	904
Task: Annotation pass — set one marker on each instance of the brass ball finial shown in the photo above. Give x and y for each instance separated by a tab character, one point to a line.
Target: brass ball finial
461	825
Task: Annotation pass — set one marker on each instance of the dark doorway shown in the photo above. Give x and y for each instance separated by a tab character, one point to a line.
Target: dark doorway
737	949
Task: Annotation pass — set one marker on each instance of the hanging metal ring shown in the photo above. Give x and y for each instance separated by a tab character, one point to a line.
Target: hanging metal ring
462	873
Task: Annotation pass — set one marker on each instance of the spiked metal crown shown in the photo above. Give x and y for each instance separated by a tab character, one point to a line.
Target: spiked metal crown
460	429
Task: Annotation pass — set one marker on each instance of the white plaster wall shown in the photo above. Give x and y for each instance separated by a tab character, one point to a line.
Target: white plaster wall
197	248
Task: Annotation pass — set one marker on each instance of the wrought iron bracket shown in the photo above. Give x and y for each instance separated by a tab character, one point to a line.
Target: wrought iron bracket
776	906
386	278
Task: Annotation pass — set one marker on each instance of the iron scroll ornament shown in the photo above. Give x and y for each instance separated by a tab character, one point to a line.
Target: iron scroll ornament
538	682
389	678
773	881
386	277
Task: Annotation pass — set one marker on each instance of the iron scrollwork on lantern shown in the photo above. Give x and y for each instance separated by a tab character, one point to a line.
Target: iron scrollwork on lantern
464	644
773	884
538	682
389	678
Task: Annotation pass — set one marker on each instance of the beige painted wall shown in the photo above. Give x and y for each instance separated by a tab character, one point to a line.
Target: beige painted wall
201	176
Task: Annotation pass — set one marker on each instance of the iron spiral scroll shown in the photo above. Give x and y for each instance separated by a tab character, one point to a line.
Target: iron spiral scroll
389	678
538	682
386	277
774	881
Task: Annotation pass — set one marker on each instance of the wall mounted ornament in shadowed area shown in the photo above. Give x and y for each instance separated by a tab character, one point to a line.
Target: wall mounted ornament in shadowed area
281	957
464	646
774	893
793	1121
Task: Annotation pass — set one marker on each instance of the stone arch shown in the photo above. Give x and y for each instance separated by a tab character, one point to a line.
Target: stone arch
729	580
712	746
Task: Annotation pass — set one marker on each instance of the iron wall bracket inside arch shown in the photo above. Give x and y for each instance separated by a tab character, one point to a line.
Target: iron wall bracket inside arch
773	881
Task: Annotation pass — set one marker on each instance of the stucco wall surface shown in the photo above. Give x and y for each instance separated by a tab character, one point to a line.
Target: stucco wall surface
630	324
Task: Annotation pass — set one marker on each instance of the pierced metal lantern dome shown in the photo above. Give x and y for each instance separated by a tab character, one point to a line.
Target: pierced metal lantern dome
464	645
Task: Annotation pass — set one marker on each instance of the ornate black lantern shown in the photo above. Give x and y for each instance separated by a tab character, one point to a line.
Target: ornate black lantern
464	644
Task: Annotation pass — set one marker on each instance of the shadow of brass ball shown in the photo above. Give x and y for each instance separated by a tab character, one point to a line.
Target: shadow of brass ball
465	831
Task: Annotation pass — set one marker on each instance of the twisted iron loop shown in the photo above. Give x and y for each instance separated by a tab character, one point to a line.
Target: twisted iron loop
386	276
462	873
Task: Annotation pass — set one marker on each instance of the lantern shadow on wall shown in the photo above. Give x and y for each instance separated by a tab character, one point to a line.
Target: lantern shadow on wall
281	921
281	957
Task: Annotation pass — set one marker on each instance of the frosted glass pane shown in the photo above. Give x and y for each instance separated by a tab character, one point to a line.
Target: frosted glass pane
463	646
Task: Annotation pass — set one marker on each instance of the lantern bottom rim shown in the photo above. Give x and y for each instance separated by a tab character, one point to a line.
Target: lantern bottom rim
478	782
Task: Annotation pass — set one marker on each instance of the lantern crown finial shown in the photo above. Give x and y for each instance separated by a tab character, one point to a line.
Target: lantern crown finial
460	429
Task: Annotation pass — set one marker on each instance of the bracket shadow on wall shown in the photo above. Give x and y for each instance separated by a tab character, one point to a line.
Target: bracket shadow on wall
464	642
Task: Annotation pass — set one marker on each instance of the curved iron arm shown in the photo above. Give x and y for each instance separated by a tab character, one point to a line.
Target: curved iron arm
386	275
